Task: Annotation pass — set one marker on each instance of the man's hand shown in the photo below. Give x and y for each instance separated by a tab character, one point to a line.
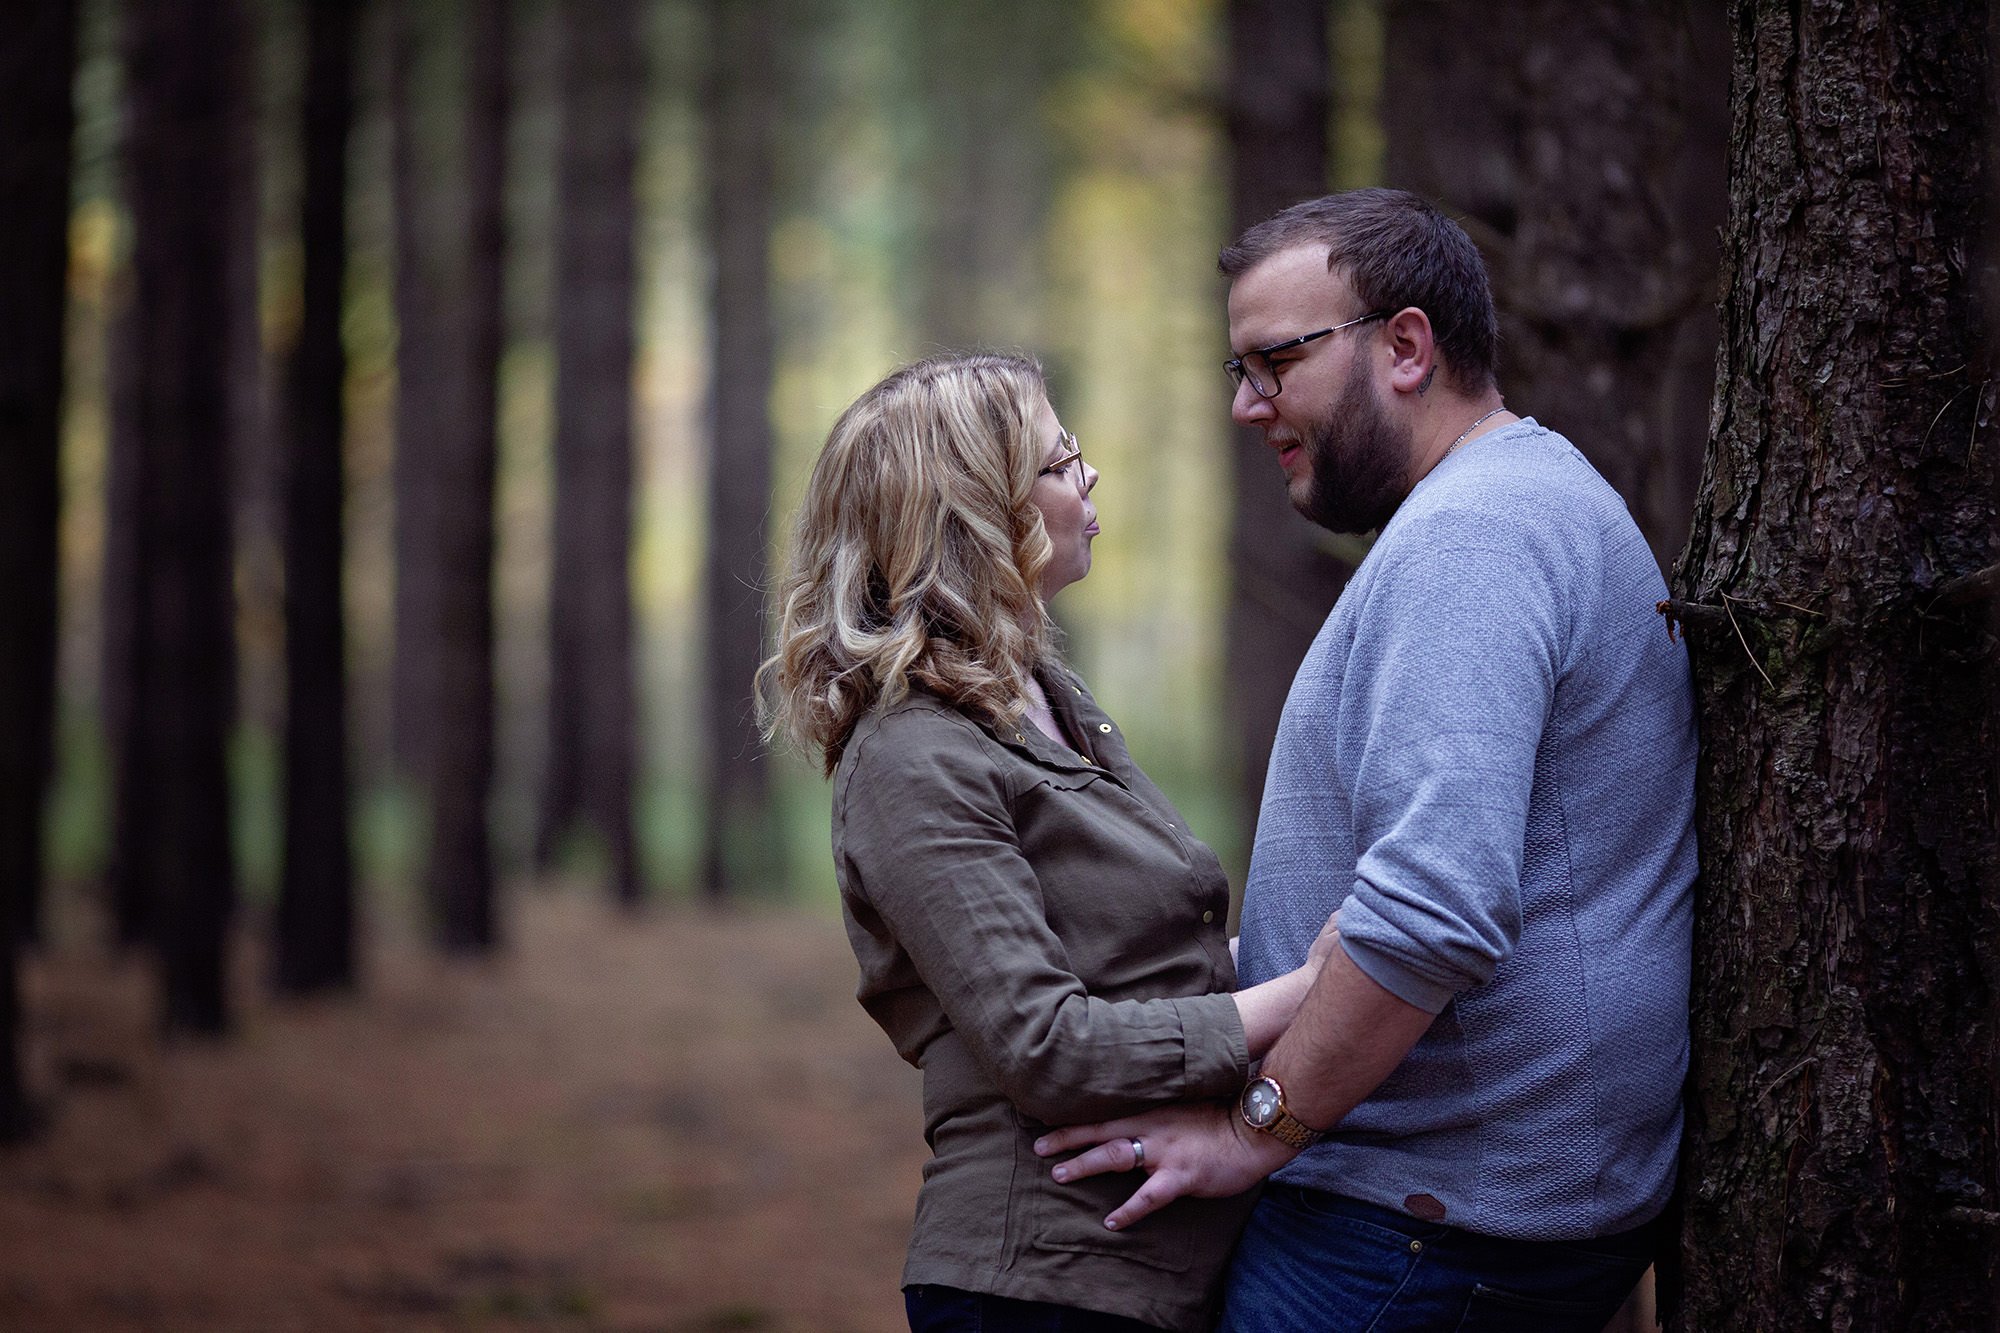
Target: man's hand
1201	1149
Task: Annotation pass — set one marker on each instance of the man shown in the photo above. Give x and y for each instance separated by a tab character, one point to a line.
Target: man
1486	765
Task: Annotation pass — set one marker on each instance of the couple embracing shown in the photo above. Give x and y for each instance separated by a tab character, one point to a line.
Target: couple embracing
1451	1050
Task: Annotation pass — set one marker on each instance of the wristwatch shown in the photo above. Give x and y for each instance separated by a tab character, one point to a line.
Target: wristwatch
1264	1111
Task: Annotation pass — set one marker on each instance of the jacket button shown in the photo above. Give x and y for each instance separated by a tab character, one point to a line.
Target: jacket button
1207	917
1104	727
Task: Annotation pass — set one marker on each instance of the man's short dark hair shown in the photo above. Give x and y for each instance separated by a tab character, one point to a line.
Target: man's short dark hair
1396	249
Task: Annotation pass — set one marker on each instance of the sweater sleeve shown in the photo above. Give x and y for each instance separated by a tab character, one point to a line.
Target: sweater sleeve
932	863
1449	685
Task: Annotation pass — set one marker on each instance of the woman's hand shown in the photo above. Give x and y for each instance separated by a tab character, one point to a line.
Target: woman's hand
1329	936
1201	1149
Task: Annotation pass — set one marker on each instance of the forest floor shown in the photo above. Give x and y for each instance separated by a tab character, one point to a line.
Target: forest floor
673	1121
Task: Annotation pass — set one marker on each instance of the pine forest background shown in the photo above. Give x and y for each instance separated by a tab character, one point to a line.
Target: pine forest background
405	400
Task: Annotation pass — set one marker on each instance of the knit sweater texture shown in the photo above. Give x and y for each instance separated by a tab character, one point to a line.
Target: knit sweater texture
1486	763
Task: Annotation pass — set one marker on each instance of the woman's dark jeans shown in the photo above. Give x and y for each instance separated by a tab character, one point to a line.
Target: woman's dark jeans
935	1309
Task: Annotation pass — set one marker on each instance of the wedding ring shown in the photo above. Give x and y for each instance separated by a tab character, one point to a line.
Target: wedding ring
1138	1155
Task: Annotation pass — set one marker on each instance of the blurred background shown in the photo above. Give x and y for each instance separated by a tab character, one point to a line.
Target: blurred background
403	403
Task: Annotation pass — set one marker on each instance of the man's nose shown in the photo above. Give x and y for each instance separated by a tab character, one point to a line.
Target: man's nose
1249	407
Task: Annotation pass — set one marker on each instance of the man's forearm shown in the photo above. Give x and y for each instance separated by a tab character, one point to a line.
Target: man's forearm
1349	1035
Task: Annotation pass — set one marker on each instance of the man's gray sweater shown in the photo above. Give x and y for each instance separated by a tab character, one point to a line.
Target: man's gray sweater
1486	763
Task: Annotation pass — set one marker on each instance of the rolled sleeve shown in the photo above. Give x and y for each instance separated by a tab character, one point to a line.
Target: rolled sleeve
1449	687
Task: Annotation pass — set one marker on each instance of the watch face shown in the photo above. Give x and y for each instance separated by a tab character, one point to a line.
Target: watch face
1260	1103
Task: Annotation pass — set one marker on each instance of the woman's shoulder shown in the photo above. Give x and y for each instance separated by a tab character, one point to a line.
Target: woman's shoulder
919	723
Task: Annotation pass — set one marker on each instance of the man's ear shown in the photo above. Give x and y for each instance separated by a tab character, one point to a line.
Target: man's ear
1412	351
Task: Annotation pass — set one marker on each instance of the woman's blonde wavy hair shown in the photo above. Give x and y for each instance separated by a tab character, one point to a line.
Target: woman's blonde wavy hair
916	557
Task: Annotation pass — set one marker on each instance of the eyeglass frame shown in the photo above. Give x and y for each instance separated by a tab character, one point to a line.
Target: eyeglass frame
1075	455
1238	371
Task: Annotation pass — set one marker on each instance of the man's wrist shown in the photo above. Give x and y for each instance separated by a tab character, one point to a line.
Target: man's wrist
1262	1148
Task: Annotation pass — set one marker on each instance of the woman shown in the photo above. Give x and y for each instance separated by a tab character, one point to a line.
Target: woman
1036	929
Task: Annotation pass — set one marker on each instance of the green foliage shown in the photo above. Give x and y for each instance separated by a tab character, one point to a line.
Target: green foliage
78	814
257	822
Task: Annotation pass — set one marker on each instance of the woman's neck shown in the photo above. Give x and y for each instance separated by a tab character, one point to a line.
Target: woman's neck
1041	714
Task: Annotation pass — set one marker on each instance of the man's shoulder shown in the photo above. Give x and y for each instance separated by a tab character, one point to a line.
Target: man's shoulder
1524	487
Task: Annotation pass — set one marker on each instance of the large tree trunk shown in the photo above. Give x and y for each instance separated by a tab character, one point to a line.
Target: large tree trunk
459	876
1583	147
315	920
588	778
1842	1166
737	845
184	67
1283	577
36	66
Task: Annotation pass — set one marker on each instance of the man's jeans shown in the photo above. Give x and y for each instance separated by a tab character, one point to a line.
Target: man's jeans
1319	1263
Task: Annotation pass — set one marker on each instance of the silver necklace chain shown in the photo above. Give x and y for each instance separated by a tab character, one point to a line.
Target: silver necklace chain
1469	429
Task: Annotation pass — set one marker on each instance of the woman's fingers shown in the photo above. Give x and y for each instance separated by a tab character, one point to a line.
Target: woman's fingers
1071	1137
1155	1194
1110	1156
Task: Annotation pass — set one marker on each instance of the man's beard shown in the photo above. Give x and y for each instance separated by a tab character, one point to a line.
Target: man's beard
1360	463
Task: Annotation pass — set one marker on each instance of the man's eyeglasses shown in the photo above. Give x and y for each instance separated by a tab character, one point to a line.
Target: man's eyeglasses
1072	456
1255	365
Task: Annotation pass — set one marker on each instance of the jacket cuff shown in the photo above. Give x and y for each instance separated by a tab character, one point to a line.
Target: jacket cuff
1215	1054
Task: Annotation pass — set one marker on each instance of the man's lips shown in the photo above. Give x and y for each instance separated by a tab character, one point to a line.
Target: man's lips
1090	528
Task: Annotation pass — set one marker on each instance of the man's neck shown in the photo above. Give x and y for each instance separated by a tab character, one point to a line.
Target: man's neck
1455	421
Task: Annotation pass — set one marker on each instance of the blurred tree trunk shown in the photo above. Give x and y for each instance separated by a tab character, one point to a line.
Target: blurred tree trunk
36	67
1842	1169
1283	578
738	847
985	176
422	190
459	773
1583	147
593	721
121	667
185	67
315	920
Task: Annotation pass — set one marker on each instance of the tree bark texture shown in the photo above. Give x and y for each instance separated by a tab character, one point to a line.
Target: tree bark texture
463	466
593	723
738	850
1841	1151
315	919
184	69
1283	578
1583	147
36	66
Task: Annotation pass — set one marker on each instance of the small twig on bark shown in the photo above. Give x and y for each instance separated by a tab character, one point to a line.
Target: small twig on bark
1969	588
1678	612
1726	600
1714	617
